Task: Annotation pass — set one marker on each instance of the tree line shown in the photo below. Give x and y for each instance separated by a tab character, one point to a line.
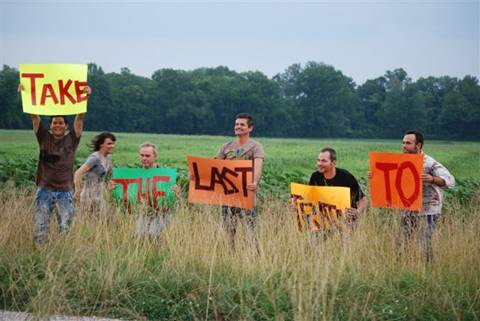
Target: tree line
310	100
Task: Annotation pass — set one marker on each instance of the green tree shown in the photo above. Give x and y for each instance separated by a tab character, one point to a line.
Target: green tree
10	101
460	116
324	97
403	108
372	96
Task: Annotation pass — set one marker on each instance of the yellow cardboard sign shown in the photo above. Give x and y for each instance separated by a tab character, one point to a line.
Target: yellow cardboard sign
319	207
53	89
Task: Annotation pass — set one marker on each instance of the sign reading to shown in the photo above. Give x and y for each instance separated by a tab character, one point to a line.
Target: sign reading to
152	185
396	180
319	207
54	89
221	182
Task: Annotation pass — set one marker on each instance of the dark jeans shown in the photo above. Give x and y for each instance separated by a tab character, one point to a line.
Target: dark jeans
230	217
420	228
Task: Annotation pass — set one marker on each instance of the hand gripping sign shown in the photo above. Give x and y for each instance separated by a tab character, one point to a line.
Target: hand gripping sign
150	185
54	89
396	180
221	182
319	207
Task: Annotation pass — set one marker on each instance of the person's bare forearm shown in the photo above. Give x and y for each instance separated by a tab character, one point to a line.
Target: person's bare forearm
257	170
362	205
78	124
36	121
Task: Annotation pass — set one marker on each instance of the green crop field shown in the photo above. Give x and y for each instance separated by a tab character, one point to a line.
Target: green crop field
100	268
285	158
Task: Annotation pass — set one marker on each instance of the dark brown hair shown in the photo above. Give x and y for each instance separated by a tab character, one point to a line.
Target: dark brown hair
246	116
98	140
331	152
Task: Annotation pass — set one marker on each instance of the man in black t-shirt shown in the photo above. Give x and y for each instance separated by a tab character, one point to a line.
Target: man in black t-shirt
329	175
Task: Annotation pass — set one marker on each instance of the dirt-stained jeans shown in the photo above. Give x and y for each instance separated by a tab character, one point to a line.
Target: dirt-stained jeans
45	201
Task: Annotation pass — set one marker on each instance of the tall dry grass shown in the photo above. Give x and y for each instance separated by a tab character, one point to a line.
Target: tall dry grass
101	268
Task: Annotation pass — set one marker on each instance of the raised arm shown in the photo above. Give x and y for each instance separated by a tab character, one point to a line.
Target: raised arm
36	121
35	118
78	123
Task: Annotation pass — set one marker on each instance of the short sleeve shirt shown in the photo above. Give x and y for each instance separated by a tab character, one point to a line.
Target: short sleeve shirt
98	170
248	151
342	178
56	160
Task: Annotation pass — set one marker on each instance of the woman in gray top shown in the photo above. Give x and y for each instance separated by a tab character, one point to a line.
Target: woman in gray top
96	168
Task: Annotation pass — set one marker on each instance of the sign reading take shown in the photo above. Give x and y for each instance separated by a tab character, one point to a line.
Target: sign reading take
55	89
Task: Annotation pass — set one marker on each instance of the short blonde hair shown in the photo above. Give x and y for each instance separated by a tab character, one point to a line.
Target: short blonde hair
152	145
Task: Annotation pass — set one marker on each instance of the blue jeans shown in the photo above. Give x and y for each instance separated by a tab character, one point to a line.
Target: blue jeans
45	201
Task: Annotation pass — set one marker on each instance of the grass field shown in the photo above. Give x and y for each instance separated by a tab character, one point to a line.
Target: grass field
101	268
290	158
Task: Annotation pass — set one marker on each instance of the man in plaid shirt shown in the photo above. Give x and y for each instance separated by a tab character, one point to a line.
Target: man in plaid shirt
435	177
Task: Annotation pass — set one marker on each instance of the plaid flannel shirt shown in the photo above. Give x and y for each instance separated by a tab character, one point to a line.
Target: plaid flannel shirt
433	194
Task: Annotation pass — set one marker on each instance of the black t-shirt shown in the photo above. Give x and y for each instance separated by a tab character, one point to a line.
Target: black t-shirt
341	178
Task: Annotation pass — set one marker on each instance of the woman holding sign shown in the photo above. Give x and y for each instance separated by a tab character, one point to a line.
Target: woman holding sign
96	168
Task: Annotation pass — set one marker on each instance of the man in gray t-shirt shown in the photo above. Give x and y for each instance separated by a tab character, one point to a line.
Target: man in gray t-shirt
247	149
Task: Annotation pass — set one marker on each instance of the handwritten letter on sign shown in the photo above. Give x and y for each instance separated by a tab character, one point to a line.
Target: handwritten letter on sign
152	185
319	207
55	89
221	182
396	180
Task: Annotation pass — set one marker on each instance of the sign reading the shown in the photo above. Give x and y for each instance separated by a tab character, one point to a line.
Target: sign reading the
319	207
396	180
151	185
54	89
221	182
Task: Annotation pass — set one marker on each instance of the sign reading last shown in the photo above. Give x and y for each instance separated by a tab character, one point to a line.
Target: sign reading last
221	182
54	89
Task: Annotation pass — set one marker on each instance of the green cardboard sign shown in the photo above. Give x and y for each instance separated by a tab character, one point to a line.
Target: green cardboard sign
149	185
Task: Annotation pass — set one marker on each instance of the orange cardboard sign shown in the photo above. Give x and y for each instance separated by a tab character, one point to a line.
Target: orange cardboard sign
396	180
221	182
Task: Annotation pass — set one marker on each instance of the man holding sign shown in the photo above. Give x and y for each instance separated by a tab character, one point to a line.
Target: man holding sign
329	174
55	171
156	218
247	149
435	177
